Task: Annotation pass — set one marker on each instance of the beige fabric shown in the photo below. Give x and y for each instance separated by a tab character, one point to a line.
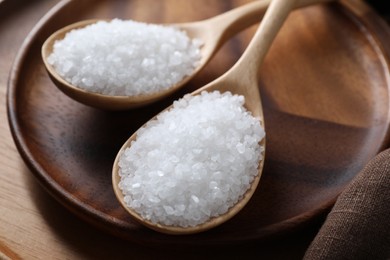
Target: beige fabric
358	226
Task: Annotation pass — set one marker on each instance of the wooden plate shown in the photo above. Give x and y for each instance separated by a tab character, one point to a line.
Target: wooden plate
325	89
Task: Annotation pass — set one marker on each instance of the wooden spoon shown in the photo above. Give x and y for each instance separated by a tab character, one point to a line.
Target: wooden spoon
240	79
213	32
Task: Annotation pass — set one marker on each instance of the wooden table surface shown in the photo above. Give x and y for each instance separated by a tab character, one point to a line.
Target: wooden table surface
35	226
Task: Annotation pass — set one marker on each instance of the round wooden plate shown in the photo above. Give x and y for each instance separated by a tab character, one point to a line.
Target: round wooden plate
325	89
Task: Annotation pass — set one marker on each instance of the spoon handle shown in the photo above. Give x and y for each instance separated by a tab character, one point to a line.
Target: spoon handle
236	20
273	20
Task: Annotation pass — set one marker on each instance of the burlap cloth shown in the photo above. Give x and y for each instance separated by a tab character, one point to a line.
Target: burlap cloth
358	226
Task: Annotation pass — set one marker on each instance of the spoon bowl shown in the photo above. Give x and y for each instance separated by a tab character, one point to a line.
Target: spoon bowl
212	32
241	79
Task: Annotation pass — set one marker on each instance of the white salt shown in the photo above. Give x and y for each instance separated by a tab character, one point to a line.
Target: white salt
125	58
194	161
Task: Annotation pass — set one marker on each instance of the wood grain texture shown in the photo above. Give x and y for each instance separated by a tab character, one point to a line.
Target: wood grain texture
18	215
34	226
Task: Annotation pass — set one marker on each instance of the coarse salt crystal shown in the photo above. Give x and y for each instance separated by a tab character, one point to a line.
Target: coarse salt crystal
125	57
201	175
